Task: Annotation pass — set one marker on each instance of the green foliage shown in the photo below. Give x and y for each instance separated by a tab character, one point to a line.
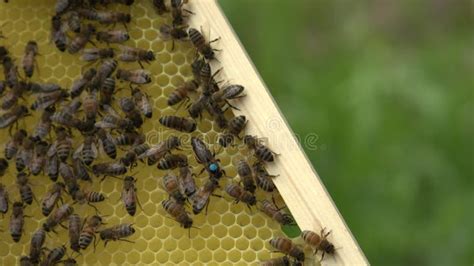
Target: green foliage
389	88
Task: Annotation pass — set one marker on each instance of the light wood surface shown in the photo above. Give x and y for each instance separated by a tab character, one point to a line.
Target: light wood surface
298	183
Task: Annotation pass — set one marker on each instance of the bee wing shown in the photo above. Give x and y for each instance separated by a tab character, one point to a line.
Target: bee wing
94	150
105	125
152	151
89	57
110	110
52	150
77	152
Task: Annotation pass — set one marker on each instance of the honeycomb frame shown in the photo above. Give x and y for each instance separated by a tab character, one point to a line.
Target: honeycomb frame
160	240
230	234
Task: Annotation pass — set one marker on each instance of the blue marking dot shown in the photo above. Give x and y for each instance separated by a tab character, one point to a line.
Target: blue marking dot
213	167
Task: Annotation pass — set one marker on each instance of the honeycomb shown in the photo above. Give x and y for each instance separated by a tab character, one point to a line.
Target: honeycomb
229	234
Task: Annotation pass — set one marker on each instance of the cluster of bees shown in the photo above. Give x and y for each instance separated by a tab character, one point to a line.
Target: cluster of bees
89	107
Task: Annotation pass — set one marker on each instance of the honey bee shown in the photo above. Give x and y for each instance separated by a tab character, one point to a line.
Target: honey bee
171	185
201	198
25	190
207	78
240	194
286	246
132	54
3	166
89	231
276	214
10	99
234	127
47	99
177	12
70	262
197	107
131	111
173	33
112	120
80	84
171	161
11	148
74	22
94	54
262	152
205	157
43	127
39	157
80	170
105	70
31	51
160	6
58	216
178	123
318	242
81	39
62	146
107	92
186	181
65	116
263	178
36	245
218	113
107	2
201	45
9	118
109	169
181	92
138	76
52	167
113	18
4	201
112	36
25	155
282	261
55	256
17	221
87	151
58	33
117	233
246	176
129	138
25	261
129	195
10	71
62	6
89	197
178	212
90	105
230	92
107	142
69	178
51	198
130	158
196	67
143	102
157	152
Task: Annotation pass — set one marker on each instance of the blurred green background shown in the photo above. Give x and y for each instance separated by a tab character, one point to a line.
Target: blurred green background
389	88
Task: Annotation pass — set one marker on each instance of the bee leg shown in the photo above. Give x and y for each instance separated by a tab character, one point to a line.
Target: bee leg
95	208
172	45
126	240
232	106
141	65
215	40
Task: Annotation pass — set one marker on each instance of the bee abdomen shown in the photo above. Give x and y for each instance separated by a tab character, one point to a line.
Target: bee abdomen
131	208
95	197
26	194
263	153
84	240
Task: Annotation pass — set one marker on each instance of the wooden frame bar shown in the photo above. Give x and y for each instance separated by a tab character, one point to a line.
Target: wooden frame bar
298	183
